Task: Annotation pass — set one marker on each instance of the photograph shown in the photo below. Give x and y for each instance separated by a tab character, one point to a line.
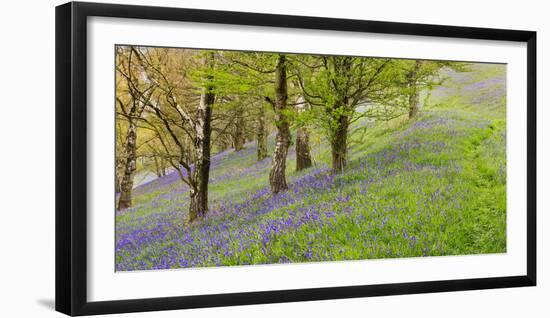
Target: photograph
297	159
234	158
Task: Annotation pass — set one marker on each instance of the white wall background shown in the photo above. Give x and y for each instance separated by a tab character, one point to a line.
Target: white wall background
27	158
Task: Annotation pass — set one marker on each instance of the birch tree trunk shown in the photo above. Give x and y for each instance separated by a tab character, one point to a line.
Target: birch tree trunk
127	182
198	206
119	172
277	175
303	155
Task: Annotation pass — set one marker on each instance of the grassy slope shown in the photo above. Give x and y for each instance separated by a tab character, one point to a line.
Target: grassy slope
432	186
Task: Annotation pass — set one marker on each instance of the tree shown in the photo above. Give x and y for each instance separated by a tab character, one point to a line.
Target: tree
131	101
120	159
244	79
203	132
160	169
238	132
265	75
277	175
336	86
412	84
261	132
303	156
419	75
182	123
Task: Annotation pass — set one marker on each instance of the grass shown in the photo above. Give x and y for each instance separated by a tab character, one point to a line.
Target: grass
432	186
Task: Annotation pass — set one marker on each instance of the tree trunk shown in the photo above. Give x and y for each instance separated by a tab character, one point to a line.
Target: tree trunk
223	142
303	155
162	167
239	137
119	172
339	144
340	112
414	93
157	167
198	206
261	135
127	183
277	176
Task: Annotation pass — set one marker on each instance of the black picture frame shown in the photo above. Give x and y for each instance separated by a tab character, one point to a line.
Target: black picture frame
71	157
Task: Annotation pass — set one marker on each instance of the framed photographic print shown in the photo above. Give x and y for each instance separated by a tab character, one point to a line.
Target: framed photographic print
208	158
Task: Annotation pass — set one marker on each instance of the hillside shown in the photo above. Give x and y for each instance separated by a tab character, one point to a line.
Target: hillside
432	186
